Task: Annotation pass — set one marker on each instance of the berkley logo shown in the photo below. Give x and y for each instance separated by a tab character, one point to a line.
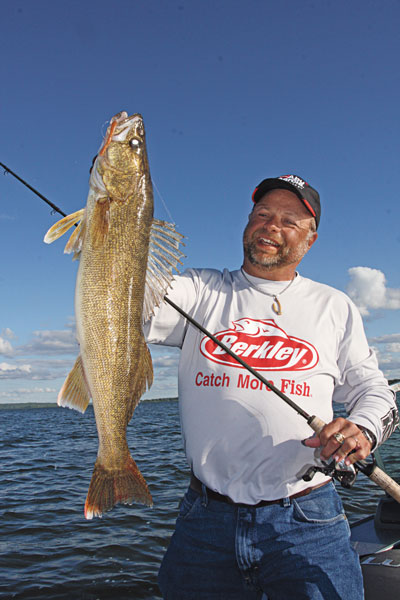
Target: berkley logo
263	345
294	180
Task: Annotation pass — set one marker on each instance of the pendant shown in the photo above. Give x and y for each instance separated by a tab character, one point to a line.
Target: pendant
276	306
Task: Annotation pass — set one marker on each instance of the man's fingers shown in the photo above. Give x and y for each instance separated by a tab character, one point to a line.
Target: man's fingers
312	442
356	447
340	439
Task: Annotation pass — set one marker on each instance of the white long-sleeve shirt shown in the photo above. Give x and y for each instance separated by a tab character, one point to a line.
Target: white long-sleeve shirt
240	438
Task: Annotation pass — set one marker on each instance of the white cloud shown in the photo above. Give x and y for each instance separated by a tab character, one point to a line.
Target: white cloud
387	350
386	339
394	347
50	342
367	288
5	347
8	333
36	370
15	371
24	391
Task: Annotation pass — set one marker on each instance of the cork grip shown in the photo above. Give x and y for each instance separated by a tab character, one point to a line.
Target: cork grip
316	424
386	483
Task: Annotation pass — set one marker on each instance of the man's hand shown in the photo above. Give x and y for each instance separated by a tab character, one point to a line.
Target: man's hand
341	439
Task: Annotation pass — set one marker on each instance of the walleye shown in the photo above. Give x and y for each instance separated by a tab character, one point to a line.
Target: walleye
126	261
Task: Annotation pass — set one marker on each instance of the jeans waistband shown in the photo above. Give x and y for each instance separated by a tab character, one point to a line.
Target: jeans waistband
198	487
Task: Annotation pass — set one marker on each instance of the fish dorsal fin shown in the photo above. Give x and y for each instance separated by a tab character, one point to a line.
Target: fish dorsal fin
74	244
164	255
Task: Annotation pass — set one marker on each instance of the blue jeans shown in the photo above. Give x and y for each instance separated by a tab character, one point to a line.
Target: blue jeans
297	549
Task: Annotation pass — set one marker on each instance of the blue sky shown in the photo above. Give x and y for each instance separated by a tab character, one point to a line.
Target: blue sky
231	92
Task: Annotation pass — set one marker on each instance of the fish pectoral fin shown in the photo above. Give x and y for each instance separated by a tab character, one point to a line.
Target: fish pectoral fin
164	256
59	228
75	391
74	244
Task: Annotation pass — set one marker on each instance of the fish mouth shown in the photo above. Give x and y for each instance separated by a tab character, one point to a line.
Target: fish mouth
124	124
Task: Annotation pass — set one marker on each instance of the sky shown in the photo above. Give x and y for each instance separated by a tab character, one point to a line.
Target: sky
231	92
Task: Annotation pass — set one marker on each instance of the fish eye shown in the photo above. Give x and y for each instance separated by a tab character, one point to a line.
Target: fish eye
134	143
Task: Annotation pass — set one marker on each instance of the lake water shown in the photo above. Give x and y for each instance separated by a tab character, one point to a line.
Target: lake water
48	550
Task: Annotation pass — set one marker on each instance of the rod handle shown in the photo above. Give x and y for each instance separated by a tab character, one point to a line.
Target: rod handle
316	424
386	483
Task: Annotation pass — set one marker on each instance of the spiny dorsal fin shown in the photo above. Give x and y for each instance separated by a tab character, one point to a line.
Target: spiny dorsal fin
74	392
164	255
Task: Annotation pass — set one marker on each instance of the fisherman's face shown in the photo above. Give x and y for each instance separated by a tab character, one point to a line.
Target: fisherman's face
279	233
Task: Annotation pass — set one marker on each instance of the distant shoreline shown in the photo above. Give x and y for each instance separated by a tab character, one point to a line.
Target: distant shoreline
25	405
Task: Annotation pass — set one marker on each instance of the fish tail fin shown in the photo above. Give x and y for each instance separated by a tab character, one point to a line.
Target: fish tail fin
109	487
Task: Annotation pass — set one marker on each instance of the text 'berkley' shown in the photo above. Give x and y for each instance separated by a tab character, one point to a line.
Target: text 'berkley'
264	346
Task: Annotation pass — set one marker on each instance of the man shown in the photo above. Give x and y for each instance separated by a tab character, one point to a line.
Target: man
249	524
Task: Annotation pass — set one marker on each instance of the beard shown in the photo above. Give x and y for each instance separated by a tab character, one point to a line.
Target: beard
284	256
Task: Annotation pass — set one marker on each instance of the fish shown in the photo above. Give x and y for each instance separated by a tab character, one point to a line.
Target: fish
127	260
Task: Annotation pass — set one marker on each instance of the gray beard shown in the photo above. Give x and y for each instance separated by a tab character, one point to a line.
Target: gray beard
263	260
284	257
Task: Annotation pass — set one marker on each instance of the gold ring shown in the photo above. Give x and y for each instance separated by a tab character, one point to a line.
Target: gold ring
339	437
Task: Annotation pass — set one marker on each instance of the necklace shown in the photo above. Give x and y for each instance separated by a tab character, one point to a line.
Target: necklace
276	305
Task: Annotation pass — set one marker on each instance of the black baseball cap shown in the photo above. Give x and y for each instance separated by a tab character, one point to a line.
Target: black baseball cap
308	195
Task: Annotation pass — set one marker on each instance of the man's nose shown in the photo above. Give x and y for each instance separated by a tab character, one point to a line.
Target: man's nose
272	224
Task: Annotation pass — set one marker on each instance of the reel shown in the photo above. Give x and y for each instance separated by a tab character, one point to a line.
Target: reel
345	474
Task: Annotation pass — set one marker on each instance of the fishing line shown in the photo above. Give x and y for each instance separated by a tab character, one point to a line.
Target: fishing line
162	200
370	470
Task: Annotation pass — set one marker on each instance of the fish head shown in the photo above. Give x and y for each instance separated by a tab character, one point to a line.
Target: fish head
122	158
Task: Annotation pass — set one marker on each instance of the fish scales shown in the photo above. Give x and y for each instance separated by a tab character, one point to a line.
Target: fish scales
114	367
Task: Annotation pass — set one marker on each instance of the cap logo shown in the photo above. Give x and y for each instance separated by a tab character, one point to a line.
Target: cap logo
294	180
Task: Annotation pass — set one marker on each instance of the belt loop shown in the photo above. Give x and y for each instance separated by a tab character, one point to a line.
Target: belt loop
204	497
286	502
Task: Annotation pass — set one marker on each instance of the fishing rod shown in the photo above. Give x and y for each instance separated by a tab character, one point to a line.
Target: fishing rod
53	206
346	476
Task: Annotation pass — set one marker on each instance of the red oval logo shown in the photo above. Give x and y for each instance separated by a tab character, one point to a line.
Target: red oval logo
263	345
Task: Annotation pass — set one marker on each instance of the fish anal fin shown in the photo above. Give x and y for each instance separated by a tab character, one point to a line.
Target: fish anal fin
164	256
109	487
63	225
75	392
